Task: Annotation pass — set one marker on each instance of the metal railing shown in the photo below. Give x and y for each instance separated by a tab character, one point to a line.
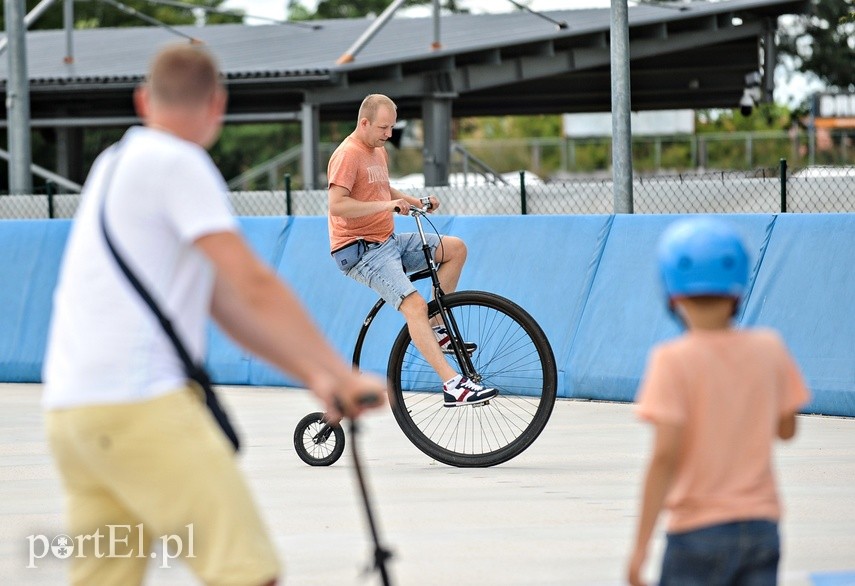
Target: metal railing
271	169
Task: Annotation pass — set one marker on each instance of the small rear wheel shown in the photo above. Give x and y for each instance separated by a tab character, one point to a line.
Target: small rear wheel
317	442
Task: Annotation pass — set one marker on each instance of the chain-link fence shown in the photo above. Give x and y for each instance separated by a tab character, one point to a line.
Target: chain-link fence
763	190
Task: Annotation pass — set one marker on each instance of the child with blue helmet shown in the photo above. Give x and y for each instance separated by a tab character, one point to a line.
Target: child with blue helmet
718	397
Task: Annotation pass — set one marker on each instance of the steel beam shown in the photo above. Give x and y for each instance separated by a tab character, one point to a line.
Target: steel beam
436	117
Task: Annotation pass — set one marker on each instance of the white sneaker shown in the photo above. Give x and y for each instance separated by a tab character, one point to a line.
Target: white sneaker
444	341
462	391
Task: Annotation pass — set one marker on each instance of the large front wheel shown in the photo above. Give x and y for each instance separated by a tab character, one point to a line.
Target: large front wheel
511	353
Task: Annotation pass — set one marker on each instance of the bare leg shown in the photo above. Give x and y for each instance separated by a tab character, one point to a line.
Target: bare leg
451	255
414	309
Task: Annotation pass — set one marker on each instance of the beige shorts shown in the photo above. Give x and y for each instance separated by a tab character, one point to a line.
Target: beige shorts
154	482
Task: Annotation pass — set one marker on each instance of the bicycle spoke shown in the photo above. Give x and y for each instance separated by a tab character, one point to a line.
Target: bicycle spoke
316	443
511	355
471	430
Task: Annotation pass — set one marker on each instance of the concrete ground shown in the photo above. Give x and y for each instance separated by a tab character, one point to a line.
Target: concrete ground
562	513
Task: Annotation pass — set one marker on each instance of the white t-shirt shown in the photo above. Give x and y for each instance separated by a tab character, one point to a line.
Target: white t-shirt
104	343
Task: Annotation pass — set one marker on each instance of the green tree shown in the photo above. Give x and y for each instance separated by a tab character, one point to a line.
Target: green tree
328	9
822	42
542	126
101	14
233	157
765	117
731	152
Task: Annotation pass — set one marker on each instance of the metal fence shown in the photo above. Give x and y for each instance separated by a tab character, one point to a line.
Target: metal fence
762	190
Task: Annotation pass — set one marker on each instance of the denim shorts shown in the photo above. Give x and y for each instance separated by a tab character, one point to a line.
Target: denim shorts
384	267
742	552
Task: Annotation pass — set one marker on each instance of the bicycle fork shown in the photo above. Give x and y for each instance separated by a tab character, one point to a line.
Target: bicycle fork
464	361
323	434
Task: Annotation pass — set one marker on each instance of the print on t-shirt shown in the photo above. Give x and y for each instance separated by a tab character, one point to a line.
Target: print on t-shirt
377	173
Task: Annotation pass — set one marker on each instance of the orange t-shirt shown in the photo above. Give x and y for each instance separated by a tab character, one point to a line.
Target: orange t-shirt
727	389
364	171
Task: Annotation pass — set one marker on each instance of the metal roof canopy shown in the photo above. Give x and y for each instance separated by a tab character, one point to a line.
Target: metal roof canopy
694	55
492	64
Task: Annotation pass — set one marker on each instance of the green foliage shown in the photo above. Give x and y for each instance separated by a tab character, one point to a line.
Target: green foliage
329	9
243	146
405	161
349	8
676	155
296	11
593	155
96	14
822	42
764	117
539	126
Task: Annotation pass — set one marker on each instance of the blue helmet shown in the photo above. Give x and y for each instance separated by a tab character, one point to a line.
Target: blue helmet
702	256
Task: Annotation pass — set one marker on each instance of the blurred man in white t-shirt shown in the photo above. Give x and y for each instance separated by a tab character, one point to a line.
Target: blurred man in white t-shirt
135	445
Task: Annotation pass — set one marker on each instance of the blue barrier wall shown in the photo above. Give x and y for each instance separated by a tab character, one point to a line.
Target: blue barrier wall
31	252
590	281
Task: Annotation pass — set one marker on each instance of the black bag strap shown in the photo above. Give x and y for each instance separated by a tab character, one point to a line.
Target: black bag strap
195	371
164	321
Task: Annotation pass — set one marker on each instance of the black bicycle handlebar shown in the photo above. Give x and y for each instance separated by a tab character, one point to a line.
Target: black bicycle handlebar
426	206
414	210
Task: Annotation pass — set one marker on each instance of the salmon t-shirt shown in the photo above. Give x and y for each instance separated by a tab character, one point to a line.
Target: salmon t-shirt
364	171
727	389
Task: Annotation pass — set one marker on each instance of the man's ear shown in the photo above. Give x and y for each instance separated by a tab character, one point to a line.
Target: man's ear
219	101
141	96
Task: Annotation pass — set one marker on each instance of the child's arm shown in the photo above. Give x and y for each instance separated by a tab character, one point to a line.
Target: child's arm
660	473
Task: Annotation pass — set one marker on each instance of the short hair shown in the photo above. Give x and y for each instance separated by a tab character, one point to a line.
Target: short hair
372	103
183	75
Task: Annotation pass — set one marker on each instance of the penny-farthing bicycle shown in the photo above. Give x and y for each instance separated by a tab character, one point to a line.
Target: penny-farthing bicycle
507	350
